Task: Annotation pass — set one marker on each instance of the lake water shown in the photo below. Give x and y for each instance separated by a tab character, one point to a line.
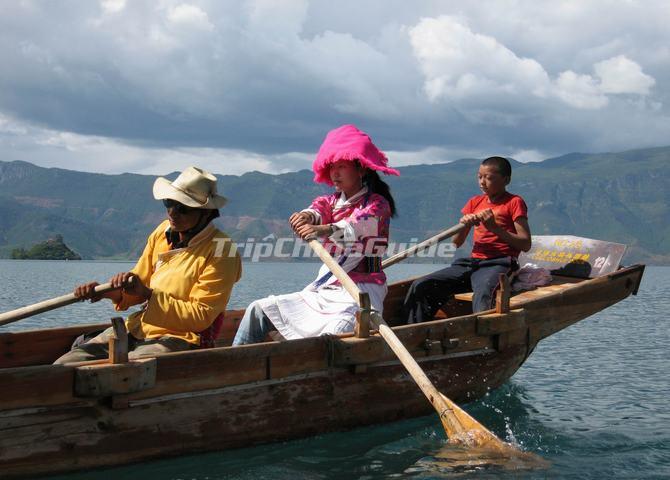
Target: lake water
593	399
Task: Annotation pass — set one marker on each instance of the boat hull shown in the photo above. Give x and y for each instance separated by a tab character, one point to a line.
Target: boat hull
226	398
92	434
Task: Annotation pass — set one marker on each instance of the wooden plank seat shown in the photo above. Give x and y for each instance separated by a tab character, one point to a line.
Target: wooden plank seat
558	284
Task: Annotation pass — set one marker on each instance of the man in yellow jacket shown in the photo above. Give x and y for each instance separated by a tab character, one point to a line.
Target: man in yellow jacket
183	278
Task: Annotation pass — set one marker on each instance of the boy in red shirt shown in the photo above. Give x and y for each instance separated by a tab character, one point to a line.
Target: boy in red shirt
501	233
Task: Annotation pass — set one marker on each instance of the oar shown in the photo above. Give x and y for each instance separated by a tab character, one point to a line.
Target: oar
450	232
46	305
460	427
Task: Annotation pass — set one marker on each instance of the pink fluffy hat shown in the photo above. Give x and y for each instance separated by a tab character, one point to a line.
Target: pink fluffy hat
349	143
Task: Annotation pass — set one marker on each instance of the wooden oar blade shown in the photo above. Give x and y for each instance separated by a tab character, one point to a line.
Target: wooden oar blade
474	434
478	444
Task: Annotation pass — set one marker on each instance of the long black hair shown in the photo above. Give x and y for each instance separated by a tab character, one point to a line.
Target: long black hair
377	185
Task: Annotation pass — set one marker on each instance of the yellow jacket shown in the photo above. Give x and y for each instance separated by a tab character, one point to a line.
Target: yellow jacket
191	285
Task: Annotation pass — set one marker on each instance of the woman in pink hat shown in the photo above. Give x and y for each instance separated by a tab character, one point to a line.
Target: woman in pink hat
354	224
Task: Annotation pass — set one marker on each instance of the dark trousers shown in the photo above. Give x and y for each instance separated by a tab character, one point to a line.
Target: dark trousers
428	294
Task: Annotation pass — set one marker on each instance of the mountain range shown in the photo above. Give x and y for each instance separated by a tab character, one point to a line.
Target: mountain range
621	197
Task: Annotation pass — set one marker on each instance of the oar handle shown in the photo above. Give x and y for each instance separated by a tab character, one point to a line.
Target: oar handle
425	244
46	305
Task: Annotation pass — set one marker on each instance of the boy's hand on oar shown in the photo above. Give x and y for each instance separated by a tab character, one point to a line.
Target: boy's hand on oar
488	219
470	219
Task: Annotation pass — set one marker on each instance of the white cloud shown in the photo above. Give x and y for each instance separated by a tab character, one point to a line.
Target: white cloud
190	16
483	77
458	62
8	126
580	91
526	156
278	20
113	6
614	76
430	155
106	155
622	75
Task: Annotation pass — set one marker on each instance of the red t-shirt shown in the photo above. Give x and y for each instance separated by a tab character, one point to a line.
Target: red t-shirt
506	211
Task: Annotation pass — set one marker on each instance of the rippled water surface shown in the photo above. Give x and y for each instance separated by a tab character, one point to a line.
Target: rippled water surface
593	399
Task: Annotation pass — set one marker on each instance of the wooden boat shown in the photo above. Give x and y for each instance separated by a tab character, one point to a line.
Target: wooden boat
56	418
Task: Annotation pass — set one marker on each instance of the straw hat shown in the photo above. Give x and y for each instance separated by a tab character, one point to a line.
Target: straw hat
193	187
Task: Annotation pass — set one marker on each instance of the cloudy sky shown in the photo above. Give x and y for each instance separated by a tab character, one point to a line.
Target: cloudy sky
151	86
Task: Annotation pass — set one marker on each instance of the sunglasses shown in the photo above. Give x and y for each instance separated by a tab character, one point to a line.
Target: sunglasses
178	207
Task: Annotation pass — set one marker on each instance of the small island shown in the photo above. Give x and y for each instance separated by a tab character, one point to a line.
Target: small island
51	249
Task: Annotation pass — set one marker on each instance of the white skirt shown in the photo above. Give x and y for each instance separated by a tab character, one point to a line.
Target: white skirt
313	312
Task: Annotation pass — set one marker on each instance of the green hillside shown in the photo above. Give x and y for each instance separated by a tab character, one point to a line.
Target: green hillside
621	197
